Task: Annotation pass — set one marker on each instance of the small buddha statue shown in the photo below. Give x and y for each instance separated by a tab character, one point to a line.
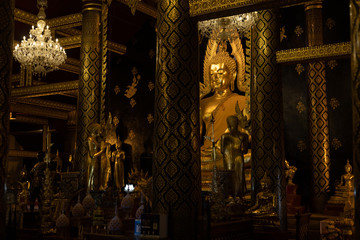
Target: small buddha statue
347	179
265	205
289	172
94	152
234	145
345	188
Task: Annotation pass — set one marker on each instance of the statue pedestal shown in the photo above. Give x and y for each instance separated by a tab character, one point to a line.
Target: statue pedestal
293	200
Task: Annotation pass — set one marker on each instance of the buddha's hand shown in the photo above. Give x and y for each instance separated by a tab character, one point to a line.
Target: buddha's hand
204	90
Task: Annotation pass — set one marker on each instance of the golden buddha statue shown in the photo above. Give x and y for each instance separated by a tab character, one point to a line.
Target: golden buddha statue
94	152
118	157
265	205
234	145
345	188
220	72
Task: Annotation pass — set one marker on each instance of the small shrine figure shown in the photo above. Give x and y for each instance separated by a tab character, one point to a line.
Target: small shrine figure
234	145
347	179
94	151
265	205
118	157
289	172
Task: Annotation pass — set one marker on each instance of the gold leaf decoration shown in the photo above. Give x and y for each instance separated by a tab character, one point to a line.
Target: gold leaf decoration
334	103
115	121
282	34
151	86
131	89
299	68
150	118
132	135
332	64
330	23
300	107
301	145
116	89
298	30
336	143
132	103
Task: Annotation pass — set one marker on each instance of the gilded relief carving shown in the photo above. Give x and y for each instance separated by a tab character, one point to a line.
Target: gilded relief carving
282	34
131	89
132	102
312	53
117	89
299	68
150	118
151	86
131	135
336	143
334	103
332	64
301	145
300	107
330	23
298	30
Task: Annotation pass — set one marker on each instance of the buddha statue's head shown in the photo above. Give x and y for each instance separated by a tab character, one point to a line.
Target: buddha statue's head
265	182
222	71
348	168
95	129
232	122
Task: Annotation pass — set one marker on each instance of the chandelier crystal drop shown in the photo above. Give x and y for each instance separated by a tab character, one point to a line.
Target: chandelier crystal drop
227	28
40	51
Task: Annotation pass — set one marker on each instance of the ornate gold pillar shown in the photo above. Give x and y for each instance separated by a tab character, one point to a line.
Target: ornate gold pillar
355	75
176	177
267	110
318	111
89	83
6	46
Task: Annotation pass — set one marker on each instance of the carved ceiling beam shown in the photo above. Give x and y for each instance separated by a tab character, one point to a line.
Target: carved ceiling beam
64	22
44	90
143	7
311	53
63	25
72	94
38	111
22	154
207	9
75	41
45	103
27	119
70	42
71	65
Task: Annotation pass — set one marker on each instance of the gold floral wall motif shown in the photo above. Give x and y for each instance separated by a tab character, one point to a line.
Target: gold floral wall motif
299	68
132	102
115	120
336	143
151	86
301	145
300	107
334	103
117	89
282	34
132	135
330	23
150	118
332	64
131	89
298	30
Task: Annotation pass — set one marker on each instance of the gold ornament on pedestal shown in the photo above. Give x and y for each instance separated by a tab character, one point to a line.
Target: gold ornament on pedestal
40	51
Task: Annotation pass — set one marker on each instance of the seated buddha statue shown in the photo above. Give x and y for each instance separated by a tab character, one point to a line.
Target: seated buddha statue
265	205
345	187
219	76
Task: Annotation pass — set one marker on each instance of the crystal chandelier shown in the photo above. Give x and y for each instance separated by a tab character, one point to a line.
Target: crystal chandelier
39	51
227	28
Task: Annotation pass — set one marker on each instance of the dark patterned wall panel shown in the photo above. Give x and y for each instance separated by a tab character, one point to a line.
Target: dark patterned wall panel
6	45
89	83
355	87
319	135
176	124
267	110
